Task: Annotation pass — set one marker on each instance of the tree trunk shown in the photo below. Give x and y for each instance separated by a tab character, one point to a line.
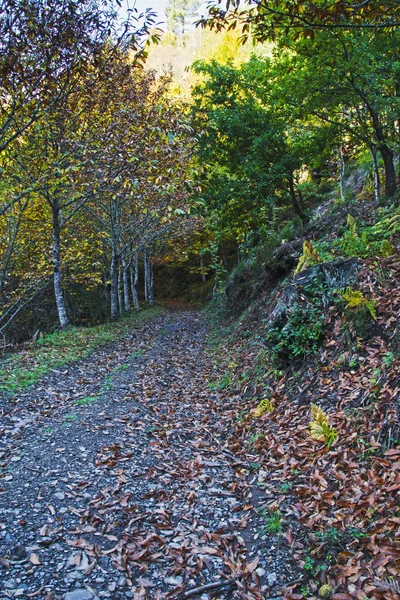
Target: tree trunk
293	198
151	282
127	305
114	285
119	293
146	276
342	170
390	173
203	273
134	282
377	180
57	277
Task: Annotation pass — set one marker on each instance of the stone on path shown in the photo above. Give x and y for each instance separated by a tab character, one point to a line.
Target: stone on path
78	595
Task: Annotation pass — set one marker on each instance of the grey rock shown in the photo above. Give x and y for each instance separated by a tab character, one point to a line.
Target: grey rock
333	275
78	595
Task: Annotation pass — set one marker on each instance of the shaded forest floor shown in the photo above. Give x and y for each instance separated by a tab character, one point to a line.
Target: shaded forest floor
118	482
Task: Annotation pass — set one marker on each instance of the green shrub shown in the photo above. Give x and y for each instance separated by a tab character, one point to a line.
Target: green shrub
301	335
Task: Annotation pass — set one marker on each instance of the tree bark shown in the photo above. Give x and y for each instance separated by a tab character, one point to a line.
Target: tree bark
134	281
146	276
342	171
119	293
57	276
377	180
390	172
125	278
293	198
114	285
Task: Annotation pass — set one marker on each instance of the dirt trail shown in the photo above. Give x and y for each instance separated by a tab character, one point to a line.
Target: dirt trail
118	482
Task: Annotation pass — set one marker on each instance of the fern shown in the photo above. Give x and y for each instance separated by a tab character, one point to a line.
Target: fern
387	584
309	257
356	299
265	406
320	428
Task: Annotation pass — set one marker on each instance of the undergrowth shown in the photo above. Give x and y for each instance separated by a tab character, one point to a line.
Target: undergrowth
21	370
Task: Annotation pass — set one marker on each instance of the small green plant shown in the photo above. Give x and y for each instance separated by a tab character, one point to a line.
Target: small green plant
70	418
388	359
226	381
305	591
355	533
86	400
123	367
376	374
286	487
106	385
320	428
273	522
331	535
253	439
354	364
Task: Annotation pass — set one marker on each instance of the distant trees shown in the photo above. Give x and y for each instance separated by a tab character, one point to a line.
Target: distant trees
95	160
180	14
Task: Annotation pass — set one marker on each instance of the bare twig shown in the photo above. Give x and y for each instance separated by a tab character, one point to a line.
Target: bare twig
209	586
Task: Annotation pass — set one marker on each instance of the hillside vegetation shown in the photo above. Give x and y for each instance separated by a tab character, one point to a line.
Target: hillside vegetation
250	169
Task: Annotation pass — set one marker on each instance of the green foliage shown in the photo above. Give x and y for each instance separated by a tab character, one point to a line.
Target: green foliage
273	522
373	240
308	258
301	335
86	400
19	371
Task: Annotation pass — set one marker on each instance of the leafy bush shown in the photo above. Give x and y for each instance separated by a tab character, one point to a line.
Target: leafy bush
302	334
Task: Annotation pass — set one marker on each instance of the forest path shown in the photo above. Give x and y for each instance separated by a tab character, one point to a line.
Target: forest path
118	480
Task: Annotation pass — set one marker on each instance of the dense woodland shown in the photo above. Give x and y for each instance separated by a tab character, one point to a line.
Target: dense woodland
109	169
251	165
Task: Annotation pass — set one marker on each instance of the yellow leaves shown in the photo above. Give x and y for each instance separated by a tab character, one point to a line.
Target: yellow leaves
356	299
309	257
265	406
320	428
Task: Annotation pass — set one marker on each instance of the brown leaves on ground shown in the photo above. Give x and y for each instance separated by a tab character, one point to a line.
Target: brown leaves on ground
340	506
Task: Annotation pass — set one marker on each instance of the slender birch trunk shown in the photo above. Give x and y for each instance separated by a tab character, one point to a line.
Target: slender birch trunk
377	180
57	277
119	293
134	282
114	285
146	276
125	279
151	282
342	169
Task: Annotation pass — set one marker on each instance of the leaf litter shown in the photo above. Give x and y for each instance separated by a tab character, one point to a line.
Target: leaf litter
134	492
